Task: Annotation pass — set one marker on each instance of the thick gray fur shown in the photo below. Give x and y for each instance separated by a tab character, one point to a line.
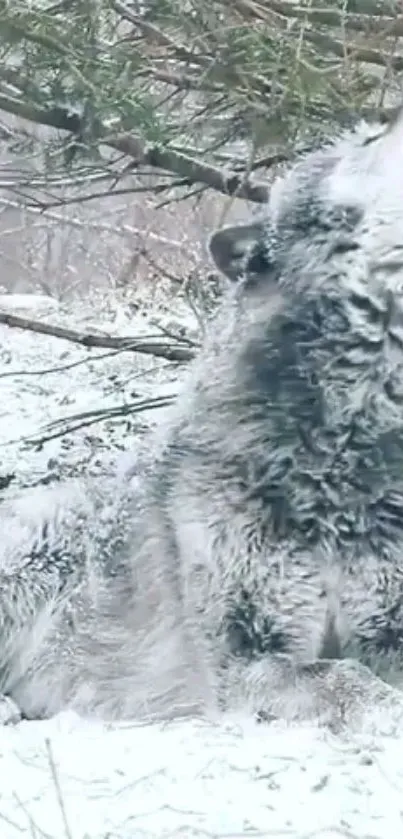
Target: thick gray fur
270	532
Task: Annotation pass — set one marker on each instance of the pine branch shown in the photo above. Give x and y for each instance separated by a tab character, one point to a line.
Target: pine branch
228	183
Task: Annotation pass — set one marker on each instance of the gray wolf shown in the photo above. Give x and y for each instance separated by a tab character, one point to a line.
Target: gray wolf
266	544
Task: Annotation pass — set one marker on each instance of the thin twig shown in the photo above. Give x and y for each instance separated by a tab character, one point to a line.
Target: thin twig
59	794
61	368
66	425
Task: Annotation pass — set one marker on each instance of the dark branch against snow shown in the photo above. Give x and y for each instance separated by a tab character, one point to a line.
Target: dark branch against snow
169	351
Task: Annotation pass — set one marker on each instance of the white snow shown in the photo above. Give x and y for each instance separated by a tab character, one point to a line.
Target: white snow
194	779
78	779
44	379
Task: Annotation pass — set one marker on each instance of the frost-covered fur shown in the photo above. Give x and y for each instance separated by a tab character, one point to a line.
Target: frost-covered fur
270	532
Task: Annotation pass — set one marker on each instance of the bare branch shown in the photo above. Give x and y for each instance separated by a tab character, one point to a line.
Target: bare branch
70	424
61	368
148	347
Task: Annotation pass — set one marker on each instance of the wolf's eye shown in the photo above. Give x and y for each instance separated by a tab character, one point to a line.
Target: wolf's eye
261	265
259	261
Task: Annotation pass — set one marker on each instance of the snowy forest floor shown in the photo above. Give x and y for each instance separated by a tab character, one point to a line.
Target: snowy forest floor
78	779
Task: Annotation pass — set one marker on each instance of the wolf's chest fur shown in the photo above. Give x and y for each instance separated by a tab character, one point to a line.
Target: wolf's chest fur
328	489
311	475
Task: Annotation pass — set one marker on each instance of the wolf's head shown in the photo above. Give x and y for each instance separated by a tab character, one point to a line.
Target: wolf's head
337	213
317	332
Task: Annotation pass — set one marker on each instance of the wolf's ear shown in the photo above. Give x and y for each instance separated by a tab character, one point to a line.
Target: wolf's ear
240	251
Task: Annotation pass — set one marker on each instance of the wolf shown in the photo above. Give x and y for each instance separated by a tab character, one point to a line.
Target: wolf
263	555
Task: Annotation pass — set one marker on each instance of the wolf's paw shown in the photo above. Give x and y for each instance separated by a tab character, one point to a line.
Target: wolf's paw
10	713
349	695
336	693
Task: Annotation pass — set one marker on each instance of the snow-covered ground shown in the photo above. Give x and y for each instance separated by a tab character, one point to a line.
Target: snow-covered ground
78	779
69	778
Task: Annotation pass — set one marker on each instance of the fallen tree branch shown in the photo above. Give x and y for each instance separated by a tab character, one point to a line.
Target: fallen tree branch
75	422
155	348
